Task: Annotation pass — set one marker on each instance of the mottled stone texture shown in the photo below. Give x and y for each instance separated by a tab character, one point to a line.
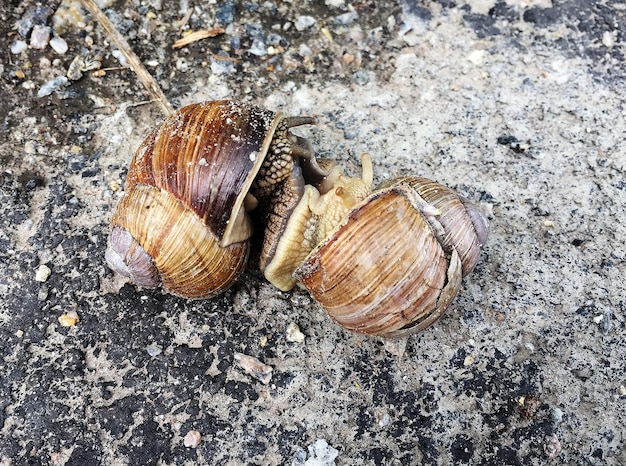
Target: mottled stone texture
518	105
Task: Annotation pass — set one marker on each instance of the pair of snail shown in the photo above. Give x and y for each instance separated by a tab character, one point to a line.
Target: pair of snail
385	262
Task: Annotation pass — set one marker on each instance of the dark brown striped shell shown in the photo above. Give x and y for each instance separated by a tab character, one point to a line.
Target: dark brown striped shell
182	221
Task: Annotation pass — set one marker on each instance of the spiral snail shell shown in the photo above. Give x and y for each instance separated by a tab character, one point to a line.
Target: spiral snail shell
183	221
386	263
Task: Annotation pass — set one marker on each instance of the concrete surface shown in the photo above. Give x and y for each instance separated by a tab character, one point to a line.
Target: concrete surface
518	104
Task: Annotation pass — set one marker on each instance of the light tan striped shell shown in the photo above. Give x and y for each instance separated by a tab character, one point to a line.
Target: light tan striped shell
395	263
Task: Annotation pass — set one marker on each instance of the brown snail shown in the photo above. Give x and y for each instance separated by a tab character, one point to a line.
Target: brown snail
183	221
386	263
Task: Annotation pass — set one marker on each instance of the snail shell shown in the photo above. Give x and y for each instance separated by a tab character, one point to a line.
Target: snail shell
394	261
183	221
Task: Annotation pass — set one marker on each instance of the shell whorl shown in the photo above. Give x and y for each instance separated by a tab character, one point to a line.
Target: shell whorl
395	263
182	219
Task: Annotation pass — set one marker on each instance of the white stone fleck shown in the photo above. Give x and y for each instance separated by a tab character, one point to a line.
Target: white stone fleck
192	439
53	85
40	36
154	350
59	45
608	39
122	59
305	50
304	22
18	47
42	273
476	57
320	454
293	333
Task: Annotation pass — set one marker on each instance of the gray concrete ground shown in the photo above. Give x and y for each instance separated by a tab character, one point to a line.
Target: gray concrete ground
517	104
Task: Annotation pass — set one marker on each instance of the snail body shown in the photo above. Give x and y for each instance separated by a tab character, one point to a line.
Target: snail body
394	260
183	220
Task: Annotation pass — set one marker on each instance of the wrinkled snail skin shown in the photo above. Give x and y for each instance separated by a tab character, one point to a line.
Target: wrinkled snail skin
183	221
313	212
386	263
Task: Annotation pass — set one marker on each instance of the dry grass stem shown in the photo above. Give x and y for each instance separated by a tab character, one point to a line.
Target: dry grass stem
133	60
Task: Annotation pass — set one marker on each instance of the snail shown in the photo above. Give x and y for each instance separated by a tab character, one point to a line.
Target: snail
384	263
183	220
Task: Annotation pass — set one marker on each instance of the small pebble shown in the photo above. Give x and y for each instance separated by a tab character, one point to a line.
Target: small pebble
154	350
476	57
347	18
29	148
384	420
225	14
528	405
42	294
53	85
622	390
293	333
348	58
192	439
120	57
69	319
18	47
114	185
58	45
252	366
468	361
557	415
258	48
182	64
42	273
361	77
304	22
40	37
608	39
320	454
